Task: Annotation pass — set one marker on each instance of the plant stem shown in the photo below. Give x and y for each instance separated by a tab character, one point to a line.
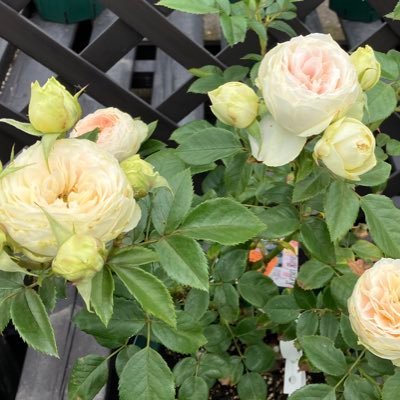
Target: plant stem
350	369
148	322
234	341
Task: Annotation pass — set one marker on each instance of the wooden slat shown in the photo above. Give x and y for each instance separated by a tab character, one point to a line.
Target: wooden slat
383	39
72	68
46	378
17	88
143	17
358	32
170	75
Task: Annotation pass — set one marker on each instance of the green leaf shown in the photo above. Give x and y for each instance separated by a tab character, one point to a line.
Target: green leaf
381	102
341	209
166	163
314	392
393	147
282	309
383	220
324	355
22	126
257	288
127	320
169	209
389	66
195	7
314	274
92	135
184	132
347	333
88	376
186	338
196	303
342	288
101	296
235	73
218	338
193	388
124	356
10	282
221	220
307	324
146	376
312	185
377	176
366	250
226	298
206	84
281	220
201	72
234	28
184	368
209	145
378	364
132	256
306	299
8	265
183	260
329	326
249	331
149	291
150	146
212	366
237	174
391	387
5	306
48	294
32	322
357	388
283	27
317	240
252	387
48	142
259	357
231	265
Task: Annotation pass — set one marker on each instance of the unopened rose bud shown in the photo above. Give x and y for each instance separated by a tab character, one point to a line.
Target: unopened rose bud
79	258
141	175
235	104
347	148
52	109
367	66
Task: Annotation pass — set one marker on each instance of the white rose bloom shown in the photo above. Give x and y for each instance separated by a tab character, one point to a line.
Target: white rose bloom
120	134
306	83
86	192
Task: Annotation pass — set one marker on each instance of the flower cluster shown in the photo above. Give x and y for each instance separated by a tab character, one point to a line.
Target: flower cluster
77	196
309	86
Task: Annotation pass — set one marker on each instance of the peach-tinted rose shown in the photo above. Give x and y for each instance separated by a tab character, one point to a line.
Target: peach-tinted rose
120	134
306	83
84	189
374	309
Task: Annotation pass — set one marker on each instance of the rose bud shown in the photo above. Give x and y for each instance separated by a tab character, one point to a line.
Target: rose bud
120	134
79	258
141	176
374	309
347	148
367	66
52	109
234	104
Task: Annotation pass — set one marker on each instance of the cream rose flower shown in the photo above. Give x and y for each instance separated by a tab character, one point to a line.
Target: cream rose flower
347	148
86	192
120	134
306	83
374	309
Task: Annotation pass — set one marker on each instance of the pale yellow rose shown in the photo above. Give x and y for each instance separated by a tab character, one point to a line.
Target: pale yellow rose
79	258
234	104
120	134
52	109
367	66
347	148
84	189
306	83
141	175
374	309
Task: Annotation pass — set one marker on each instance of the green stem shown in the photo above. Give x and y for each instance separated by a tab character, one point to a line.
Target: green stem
234	341
148	322
350	369
149	218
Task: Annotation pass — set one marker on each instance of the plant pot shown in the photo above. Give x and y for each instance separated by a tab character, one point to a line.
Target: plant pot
68	11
